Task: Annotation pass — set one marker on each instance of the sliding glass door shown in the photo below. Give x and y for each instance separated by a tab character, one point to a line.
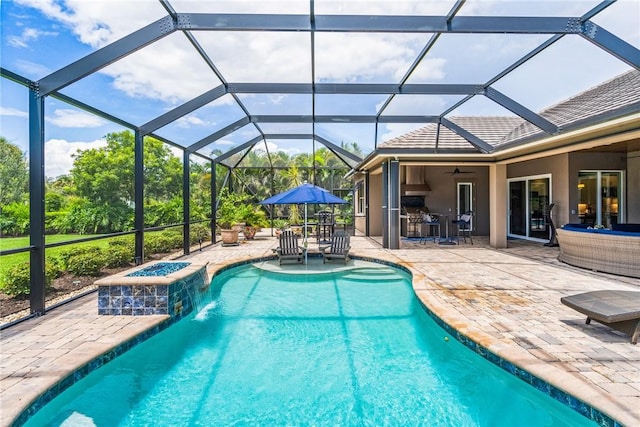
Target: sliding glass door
529	199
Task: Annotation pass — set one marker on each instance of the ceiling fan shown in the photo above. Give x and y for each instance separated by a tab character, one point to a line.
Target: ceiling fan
457	171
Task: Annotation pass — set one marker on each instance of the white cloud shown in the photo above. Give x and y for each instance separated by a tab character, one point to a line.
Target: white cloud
98	23
187	122
67	118
28	35
13	112
363	57
58	154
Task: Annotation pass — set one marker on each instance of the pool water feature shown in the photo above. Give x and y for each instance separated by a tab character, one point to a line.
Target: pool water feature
162	288
348	348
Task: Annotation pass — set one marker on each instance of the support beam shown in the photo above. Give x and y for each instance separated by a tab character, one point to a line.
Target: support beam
521	111
37	276
357	88
498	206
186	198
106	55
385	204
183	110
338	151
394	204
138	185
378	23
238	149
474	140
612	44
214	202
220	134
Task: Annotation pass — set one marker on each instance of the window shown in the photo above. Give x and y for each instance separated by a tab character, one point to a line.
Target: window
600	197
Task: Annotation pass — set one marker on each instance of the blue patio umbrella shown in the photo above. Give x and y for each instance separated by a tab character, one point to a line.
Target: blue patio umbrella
307	194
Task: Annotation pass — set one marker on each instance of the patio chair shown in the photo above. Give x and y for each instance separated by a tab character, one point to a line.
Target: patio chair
619	310
431	224
340	245
289	249
464	226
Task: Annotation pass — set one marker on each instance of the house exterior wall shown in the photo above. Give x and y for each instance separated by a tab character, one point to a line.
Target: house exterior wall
375	205
557	166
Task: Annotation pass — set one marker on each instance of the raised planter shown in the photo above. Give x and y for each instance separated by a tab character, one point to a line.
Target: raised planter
166	287
603	250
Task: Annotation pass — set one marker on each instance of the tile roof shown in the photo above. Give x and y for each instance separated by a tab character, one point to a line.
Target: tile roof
602	102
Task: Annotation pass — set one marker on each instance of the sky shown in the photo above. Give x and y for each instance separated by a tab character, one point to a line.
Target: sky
39	37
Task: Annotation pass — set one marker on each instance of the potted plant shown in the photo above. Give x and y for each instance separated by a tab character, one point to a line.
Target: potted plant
280	225
254	218
228	214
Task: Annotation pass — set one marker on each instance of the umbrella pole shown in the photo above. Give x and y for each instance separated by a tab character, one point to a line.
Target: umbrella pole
305	243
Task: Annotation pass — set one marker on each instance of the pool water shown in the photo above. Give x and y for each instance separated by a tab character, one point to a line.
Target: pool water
159	269
353	348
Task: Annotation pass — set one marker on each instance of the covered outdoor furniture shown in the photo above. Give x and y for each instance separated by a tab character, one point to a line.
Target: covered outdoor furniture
464	226
339	248
619	310
289	249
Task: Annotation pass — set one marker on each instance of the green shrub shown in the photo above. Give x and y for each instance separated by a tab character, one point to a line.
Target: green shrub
67	254
173	237
157	244
16	281
199	232
126	241
85	264
118	256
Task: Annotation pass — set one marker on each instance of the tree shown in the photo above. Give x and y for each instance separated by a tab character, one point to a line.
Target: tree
106	175
14	173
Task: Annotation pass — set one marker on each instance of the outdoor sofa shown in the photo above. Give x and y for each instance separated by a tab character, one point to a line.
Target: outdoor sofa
609	251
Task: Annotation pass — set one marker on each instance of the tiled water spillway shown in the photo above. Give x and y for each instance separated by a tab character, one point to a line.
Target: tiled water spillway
165	288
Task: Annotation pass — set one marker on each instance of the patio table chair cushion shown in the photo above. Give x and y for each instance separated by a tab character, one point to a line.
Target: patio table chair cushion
620	310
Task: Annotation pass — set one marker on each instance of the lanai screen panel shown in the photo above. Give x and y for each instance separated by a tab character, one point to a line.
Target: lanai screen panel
148	82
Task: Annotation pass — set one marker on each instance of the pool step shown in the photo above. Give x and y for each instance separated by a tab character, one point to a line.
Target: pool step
373	275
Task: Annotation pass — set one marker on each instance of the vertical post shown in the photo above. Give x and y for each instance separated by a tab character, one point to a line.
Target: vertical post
138	185
498	206
36	206
367	231
214	197
385	204
394	204
186	198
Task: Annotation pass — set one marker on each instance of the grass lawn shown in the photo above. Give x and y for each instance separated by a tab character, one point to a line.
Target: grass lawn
8	261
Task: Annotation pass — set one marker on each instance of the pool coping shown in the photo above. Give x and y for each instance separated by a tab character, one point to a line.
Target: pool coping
544	379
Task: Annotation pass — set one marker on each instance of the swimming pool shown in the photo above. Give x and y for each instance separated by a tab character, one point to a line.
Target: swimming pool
347	348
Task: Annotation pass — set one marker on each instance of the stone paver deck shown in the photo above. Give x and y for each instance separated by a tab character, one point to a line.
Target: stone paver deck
506	300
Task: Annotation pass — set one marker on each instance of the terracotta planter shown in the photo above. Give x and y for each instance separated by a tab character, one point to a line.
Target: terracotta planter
229	237
250	232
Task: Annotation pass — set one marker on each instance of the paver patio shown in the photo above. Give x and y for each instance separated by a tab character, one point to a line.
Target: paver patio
506	300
